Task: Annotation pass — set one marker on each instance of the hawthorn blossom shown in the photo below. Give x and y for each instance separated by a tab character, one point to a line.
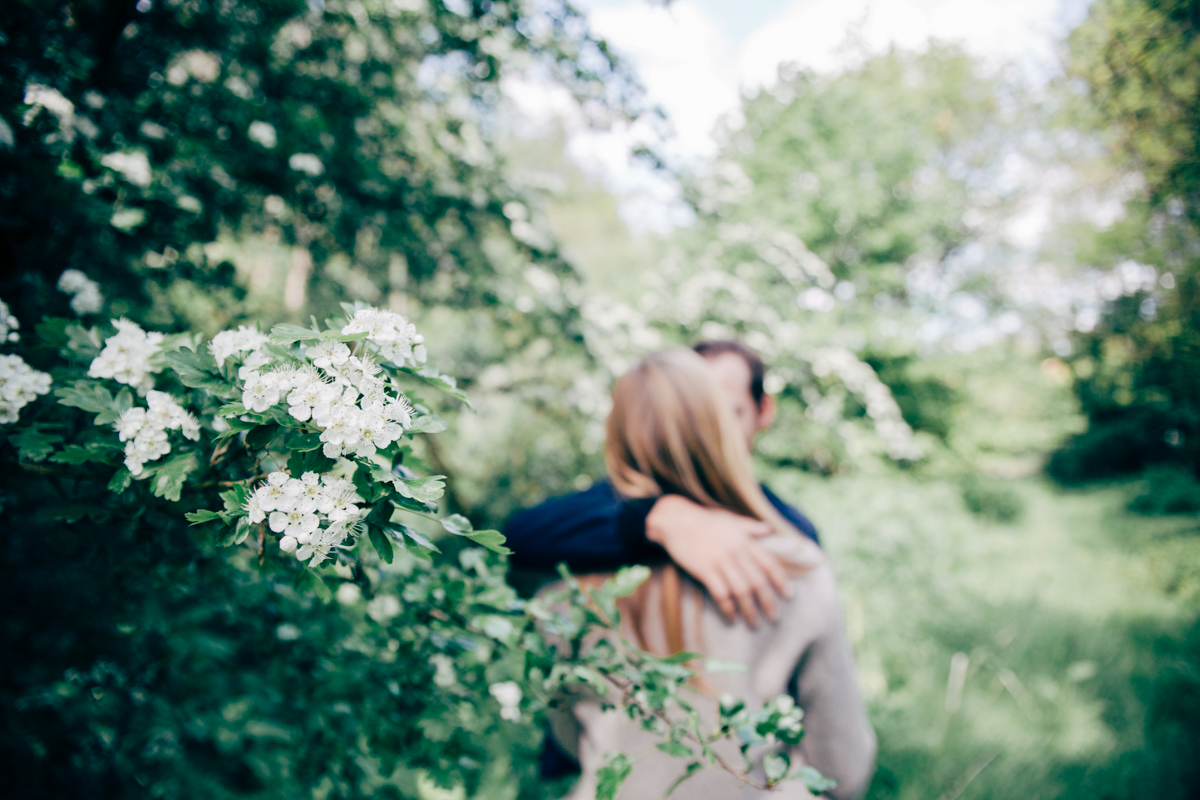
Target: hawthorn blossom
508	695
8	325
20	384
395	338
246	339
312	513
86	298
144	430
126	357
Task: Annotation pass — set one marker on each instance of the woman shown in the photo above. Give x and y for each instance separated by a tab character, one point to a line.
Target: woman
671	431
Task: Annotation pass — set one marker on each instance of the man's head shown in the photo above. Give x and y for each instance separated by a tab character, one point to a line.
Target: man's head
739	372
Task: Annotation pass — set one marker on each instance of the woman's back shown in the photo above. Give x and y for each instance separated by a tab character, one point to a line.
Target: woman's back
804	654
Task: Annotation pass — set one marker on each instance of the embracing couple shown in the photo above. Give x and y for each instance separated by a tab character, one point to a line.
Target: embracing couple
681	497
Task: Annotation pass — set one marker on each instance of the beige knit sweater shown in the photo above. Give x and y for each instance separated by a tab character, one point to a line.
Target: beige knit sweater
805	654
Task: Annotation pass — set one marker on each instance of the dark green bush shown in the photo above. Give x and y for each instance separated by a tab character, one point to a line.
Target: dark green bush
1170	489
992	501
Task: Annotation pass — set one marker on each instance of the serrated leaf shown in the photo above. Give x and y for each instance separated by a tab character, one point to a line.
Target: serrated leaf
428	424
286	333
457	524
610	776
304	442
682	657
34	444
419	539
87	395
235	499
347	337
241	531
443	382
231	410
82	454
676	749
814	780
381	543
776	766
492	540
202	516
169	478
120	480
261	436
426	490
197	370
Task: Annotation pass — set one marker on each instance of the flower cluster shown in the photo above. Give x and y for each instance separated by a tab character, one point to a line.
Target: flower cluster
86	298
8	325
391	334
344	395
246	339
126	356
144	431
314	513
508	695
19	385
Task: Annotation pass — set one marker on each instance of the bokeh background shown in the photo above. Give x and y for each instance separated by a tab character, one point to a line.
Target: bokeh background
962	234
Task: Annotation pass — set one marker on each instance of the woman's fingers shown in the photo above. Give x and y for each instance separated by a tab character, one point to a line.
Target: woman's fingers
761	580
742	589
772	569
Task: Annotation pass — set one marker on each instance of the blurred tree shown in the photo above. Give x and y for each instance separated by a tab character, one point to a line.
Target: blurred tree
1136	365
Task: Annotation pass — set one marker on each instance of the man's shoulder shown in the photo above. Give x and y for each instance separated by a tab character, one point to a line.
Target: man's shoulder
792	514
599	496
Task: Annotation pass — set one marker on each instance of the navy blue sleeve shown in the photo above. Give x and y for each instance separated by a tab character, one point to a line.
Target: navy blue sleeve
792	515
578	529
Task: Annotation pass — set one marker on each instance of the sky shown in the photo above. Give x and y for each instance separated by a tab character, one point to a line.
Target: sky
696	58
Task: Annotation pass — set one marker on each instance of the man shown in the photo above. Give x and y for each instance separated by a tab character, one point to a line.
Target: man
593	531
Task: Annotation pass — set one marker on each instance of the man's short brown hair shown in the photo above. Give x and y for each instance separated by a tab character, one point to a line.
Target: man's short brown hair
711	348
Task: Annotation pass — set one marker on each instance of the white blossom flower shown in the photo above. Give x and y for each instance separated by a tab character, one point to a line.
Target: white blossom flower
508	695
295	523
126	356
246	339
256	512
252	364
20	384
260	392
287	544
307	163
8	325
327	353
393	336
87	298
263	133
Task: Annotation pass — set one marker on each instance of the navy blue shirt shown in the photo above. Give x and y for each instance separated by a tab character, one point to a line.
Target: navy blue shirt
594	531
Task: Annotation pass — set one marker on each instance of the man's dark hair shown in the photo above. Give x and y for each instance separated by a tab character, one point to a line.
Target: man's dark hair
711	348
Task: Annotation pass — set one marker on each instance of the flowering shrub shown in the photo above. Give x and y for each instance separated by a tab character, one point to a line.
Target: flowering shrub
292	452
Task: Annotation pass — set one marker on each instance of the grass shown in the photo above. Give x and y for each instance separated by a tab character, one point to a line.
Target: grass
1078	659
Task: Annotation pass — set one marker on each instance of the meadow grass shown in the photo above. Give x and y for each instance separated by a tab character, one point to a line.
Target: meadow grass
1071	631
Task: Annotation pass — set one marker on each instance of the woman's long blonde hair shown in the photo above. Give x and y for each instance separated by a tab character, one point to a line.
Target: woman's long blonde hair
671	431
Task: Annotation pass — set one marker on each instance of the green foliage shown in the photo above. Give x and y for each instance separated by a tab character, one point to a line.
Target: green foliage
991	500
1168	490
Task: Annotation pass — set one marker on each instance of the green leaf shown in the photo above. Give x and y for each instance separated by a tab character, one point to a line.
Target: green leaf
34	444
202	516
677	749
170	476
457	524
198	370
691	770
428	424
434	378
425	490
814	780
100	452
285	334
261	436
419	539
381	542
346	337
776	766
610	776
300	462
492	540
231	410
235	499
682	657
302	443
716	666
94	398
120	481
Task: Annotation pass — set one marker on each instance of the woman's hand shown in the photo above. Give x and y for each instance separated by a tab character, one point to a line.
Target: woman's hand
719	549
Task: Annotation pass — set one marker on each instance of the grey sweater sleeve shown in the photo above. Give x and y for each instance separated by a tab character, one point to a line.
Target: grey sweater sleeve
838	740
